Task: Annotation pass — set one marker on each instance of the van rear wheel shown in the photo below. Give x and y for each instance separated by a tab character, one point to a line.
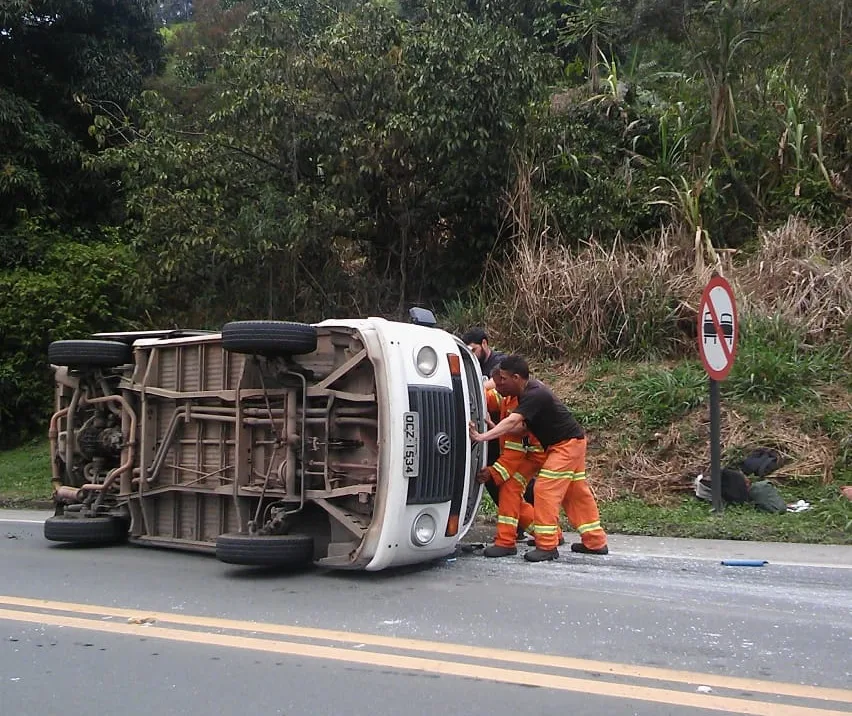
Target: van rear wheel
265	550
100	354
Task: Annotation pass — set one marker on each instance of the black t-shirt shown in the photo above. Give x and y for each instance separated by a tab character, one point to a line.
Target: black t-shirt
546	416
492	362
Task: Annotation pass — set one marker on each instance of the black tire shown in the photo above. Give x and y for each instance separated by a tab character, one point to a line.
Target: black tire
85	530
265	550
269	337
102	354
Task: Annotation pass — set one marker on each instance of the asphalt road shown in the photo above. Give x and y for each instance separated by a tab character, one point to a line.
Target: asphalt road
657	627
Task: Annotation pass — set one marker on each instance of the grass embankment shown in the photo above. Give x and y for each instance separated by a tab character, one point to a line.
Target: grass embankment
25	475
648	427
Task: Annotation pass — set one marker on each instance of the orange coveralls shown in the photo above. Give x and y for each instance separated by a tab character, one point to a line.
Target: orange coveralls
562	482
521	457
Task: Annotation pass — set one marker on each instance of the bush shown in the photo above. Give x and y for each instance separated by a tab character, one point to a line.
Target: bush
69	291
588	183
775	363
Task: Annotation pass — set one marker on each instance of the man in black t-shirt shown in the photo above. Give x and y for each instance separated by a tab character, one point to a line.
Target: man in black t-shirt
562	479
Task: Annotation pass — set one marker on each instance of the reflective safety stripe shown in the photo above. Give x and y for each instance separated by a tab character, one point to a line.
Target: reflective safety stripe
502	471
535	448
518	447
545	529
589	527
520	478
503	520
562	475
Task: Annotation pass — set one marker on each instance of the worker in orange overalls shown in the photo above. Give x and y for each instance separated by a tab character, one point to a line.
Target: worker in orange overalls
519	462
521	457
562	478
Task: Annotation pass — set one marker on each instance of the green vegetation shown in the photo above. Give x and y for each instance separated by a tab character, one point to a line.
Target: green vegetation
828	521
649	436
25	474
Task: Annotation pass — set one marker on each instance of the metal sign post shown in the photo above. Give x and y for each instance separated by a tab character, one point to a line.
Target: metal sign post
718	330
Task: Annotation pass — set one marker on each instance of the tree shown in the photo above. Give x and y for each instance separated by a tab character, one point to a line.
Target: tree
339	145
50	52
591	23
61	270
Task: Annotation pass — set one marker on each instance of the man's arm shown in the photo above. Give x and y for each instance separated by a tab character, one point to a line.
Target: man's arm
512	423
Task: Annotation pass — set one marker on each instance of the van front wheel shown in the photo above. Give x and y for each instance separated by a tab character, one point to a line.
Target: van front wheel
269	337
85	530
265	550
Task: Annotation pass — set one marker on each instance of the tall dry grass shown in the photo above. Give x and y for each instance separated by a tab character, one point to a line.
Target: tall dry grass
640	300
803	276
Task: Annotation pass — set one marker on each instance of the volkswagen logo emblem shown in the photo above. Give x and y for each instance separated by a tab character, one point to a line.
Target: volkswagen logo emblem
443	444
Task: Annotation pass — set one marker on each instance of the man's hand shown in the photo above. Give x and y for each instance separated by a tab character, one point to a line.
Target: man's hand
483	475
510	424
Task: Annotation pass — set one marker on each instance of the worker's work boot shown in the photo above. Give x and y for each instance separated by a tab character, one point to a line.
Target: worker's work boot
541	555
582	549
495	550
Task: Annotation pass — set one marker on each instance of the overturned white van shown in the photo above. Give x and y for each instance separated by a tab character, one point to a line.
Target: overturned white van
269	443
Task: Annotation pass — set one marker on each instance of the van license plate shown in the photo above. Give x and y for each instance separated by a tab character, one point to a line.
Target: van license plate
411	444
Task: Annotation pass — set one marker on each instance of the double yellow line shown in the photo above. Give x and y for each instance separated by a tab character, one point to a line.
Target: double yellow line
675	688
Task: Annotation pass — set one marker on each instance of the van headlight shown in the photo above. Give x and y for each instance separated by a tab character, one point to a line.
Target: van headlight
426	361
423	530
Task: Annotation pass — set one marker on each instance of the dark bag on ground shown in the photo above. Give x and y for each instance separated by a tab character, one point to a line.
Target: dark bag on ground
761	462
734	486
766	497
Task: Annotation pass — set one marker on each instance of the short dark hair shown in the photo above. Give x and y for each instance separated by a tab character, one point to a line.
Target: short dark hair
516	364
474	335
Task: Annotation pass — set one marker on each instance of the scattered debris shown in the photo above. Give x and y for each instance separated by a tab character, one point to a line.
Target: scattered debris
846	492
9	535
744	562
704	690
141	620
799	506
703	491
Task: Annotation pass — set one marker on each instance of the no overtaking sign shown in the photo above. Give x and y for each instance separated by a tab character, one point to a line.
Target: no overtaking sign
717	343
717	328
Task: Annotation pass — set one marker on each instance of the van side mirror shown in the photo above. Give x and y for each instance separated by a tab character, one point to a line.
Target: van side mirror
422	317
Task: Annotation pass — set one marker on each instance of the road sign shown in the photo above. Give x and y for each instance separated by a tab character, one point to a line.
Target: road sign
718	328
